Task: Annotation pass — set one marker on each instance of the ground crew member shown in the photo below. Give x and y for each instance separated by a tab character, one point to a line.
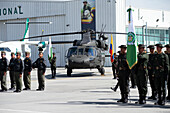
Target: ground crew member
114	66
40	64
18	68
27	71
53	65
3	70
168	53
161	68
11	71
141	74
123	75
150	71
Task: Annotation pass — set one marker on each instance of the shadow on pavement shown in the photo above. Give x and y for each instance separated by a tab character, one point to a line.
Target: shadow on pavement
120	104
87	74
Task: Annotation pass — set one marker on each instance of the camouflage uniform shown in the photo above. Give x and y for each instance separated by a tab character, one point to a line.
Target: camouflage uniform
161	68
150	73
11	73
18	68
40	64
124	71
53	66
27	71
141	75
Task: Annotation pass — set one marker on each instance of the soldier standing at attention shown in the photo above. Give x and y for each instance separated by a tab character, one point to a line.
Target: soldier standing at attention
161	68
40	64
150	71
3	70
27	71
18	68
168	53
53	65
11	71
114	66
141	74
123	75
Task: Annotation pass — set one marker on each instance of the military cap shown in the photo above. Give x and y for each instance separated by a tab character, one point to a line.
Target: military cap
159	45
85	1
118	52
19	53
3	52
12	53
122	46
141	46
167	45
53	53
151	46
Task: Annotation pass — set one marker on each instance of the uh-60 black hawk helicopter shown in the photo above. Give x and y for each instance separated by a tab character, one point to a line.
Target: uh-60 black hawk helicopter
85	53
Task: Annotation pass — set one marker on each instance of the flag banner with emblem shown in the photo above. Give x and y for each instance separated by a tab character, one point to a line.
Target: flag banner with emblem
111	51
131	42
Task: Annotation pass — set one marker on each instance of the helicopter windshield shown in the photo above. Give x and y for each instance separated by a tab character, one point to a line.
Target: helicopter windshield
80	51
89	51
72	51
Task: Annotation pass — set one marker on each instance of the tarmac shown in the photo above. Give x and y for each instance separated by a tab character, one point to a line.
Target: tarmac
85	92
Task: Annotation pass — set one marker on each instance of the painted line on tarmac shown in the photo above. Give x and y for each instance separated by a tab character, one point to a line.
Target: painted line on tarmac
13	110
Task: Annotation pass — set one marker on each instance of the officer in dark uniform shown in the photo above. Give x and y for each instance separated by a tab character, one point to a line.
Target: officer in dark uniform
141	74
3	70
11	71
18	68
86	7
161	69
168	53
150	71
124	71
40	64
27	71
114	65
53	65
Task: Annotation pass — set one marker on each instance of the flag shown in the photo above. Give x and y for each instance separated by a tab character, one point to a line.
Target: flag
111	51
131	42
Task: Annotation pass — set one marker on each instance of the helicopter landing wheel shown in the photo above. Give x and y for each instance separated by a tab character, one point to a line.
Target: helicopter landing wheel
69	71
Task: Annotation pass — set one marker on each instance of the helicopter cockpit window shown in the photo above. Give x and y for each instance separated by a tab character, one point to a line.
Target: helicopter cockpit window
80	51
89	52
72	51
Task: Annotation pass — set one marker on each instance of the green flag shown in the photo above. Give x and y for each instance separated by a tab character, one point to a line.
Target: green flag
131	42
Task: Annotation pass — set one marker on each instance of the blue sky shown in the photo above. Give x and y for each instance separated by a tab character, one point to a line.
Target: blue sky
150	4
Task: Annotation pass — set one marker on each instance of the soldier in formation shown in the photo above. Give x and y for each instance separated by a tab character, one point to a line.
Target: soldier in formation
123	75
141	74
11	71
53	65
40	64
27	71
3	71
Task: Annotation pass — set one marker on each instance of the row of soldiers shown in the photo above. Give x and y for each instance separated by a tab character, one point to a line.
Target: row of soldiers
154	66
16	68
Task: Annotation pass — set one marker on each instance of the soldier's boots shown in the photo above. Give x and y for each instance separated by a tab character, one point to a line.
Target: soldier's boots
159	102
142	100
153	97
125	98
168	98
122	98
